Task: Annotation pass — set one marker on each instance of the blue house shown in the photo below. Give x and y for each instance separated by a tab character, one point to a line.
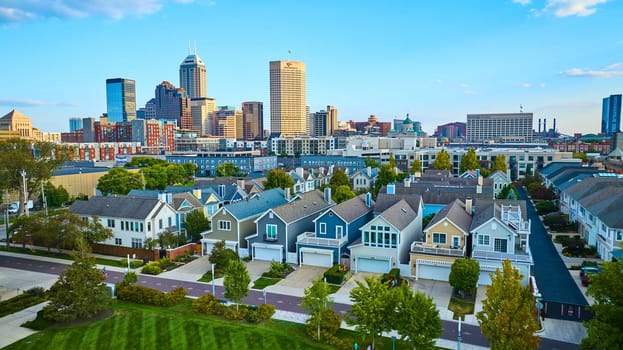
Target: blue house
334	230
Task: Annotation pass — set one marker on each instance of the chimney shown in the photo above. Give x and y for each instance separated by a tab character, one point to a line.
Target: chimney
369	200
369	171
221	190
468	205
327	195
299	172
240	183
407	182
162	197
286	192
169	198
539	126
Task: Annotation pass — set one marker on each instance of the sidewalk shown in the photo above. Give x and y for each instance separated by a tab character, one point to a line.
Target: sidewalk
10	325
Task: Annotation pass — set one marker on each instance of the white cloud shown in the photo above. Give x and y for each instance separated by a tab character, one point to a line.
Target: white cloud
522	2
610	71
526	85
542	85
32	103
464	85
24	10
565	8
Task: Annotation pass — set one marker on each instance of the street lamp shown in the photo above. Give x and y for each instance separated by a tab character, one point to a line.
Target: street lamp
458	343
264	291
213	288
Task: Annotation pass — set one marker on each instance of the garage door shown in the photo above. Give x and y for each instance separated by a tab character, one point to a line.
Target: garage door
316	257
268	253
208	245
432	272
372	265
484	279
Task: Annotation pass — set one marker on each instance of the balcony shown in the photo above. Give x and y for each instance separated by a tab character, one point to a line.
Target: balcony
311	239
418	247
520	257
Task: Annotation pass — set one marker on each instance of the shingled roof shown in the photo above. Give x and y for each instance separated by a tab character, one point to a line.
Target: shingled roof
302	206
353	208
118	207
456	213
487	209
400	215
257	204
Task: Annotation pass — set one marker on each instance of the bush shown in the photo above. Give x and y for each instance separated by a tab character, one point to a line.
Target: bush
149	296
236	314
336	274
36	292
329	325
133	263
153	268
545	207
278	270
208	305
177	295
265	312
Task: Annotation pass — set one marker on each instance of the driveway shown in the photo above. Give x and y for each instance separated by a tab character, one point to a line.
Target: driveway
302	277
256	268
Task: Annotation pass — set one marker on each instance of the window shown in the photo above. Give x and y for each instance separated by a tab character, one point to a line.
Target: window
323	228
170	221
110	223
380	236
122	225
339	231
160	224
271	231
224	225
117	241
456	241
483	240
439	238
137	243
619	235
141	226
149	227
500	245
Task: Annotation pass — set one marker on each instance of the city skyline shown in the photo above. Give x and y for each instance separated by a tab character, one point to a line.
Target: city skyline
436	61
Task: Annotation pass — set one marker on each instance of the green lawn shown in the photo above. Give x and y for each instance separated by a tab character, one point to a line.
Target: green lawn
207	277
264	282
55	254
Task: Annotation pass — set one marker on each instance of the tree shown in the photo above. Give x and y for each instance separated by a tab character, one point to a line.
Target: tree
464	275
37	161
415	317
508	192
54	196
499	163
342	194
370	162
581	156
236	281
150	243
392	161
227	169
168	239
144	162
221	256
80	291
605	329
371	308
317	302
386	176
196	222
278	178
508	317
469	161
119	181
339	178
416	166
442	161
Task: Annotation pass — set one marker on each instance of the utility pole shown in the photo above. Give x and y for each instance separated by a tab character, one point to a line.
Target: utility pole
25	185
45	201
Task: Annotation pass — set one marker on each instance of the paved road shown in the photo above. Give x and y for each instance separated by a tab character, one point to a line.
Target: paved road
470	334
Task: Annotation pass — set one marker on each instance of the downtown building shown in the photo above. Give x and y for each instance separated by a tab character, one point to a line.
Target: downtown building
323	122
253	120
288	110
502	127
611	115
120	100
173	104
194	80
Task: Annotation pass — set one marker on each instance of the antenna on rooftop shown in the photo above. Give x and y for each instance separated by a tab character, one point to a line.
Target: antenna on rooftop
520	108
195	47
289	54
189	51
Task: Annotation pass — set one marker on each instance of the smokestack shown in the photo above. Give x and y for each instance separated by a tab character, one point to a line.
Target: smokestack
539	126
544	125
554	124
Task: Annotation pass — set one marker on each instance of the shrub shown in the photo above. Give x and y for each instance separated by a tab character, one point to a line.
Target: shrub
278	270
149	296
133	263
35	292
265	312
545	207
236	314
336	274
329	325
208	305
153	268
130	278
177	295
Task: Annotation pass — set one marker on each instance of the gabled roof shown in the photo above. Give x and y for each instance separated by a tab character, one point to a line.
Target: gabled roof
553	167
456	213
489	209
590	185
400	215
498	173
180	198
302	206
606	204
144	193
257	204
125	207
385	201
353	208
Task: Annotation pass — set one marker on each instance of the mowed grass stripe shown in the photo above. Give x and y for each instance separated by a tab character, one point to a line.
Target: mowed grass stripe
119	325
135	330
90	336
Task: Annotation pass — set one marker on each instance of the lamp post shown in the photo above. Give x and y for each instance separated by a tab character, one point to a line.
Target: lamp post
213	288
264	291
128	269
458	343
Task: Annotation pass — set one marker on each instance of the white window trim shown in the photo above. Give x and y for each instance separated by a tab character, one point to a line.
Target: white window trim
322	227
268	231
224	225
439	234
483	240
458	238
339	231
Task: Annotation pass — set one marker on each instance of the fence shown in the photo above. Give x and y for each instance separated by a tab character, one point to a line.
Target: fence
180	251
569	312
123	252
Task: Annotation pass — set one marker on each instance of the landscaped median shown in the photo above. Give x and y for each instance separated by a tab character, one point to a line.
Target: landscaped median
276	273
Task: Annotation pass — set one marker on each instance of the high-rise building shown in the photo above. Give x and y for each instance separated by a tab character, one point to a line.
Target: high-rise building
228	122
173	104
288	115
120	100
506	127
611	115
332	119
451	131
253	120
75	124
202	110
193	76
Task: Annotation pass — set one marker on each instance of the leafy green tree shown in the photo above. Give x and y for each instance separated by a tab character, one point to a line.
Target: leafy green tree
499	163
442	161
37	160
342	194
508	192
221	256
469	161
317	302
371	309
581	156
605	329
508	316
339	178
196	222
278	178
119	181
464	275
370	162
227	169
427	219
144	162
416	166
150	243
392	161
168	239
236	281
54	196
415	317
80	291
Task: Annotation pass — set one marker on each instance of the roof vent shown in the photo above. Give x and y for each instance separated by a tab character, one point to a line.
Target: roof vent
403	210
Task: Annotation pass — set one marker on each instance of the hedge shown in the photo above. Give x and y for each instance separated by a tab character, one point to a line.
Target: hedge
153	268
336	274
150	296
134	263
209	305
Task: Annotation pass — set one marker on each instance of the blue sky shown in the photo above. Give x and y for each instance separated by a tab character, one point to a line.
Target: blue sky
436	60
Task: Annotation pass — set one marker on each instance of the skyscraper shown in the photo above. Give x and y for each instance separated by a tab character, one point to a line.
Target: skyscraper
228	122
121	99
288	114
193	76
253	120
611	114
75	124
172	103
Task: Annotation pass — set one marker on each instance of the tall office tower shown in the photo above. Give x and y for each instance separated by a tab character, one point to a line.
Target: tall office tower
202	110
173	104
75	124
121	100
228	122
320	124
253	120
507	127
611	114
288	115
332	119
88	127
193	76
149	111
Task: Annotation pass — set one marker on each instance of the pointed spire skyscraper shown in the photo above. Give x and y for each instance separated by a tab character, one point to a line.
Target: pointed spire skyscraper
193	76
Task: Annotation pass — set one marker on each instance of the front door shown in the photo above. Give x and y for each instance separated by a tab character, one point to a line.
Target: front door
500	245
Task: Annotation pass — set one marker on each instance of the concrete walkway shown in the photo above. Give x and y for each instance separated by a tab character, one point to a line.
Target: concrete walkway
10	326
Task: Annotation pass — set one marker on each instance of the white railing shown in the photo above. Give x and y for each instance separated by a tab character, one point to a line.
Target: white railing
311	239
427	249
482	254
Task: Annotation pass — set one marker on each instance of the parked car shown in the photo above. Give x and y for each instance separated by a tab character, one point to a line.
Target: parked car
586	270
586	279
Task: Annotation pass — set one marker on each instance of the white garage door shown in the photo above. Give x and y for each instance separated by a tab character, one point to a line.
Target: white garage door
372	265
484	279
267	252
432	272
208	245
316	257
